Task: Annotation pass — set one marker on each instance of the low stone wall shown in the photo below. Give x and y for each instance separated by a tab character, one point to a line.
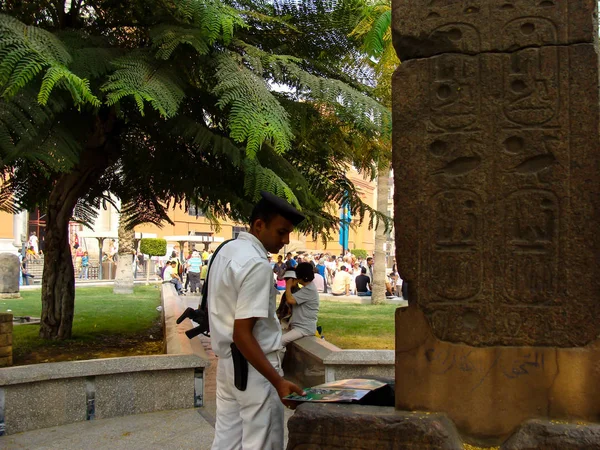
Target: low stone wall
6	327
46	395
400	302
176	342
311	361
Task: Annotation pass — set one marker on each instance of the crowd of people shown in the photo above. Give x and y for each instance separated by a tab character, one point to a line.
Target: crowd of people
338	275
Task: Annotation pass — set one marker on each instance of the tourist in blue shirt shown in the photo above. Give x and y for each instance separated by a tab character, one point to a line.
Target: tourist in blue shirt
194	266
290	262
85	264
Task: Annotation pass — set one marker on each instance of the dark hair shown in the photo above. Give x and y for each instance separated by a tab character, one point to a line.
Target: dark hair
370	258
363	270
304	271
343	268
264	211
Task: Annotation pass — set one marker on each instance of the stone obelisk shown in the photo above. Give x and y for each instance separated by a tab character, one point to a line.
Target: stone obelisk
497	178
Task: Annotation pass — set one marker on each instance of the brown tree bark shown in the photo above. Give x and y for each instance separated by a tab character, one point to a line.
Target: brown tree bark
124	280
58	279
379	269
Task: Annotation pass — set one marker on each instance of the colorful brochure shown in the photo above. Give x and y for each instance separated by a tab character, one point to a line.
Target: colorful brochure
340	391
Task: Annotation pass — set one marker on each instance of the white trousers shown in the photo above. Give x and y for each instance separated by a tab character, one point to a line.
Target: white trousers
250	419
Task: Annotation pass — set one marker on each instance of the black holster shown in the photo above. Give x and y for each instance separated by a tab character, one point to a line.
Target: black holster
240	368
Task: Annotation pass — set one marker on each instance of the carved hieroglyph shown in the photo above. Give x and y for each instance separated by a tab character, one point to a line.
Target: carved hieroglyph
496	169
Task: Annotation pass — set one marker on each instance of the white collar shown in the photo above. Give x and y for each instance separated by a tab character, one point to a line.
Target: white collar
254	241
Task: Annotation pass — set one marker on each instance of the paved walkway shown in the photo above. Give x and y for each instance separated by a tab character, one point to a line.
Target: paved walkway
177	429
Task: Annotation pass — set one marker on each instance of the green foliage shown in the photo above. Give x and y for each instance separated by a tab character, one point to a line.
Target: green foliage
144	80
359	253
244	96
26	51
153	247
256	115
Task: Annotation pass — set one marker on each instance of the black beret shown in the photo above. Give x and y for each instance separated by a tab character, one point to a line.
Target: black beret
282	207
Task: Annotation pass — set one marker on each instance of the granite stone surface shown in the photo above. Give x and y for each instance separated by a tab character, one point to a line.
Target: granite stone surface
489	391
337	426
552	435
495	165
9	274
40	405
360	357
426	28
95	367
137	393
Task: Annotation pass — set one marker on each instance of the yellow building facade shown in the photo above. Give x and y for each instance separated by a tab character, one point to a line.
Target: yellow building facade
15	229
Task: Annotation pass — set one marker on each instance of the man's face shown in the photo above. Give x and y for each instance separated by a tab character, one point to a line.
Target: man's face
370	261
275	234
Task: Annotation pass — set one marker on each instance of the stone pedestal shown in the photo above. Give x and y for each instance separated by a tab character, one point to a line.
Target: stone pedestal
338	426
6	327
9	275
496	133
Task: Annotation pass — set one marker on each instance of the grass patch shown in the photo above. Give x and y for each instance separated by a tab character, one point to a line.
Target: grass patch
352	326
104	325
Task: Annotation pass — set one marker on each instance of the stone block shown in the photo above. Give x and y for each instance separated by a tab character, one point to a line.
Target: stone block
6	318
552	435
6	361
5	350
6	327
5	339
337	426
495	159
98	367
489	391
137	393
9	273
46	404
423	29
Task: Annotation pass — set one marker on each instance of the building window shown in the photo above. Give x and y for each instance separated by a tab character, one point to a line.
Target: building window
237	230
195	211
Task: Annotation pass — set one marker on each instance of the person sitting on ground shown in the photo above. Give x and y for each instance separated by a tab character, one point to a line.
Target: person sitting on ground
341	282
304	303
363	284
170	276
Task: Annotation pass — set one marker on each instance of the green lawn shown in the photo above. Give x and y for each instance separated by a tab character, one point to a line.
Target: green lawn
358	326
104	325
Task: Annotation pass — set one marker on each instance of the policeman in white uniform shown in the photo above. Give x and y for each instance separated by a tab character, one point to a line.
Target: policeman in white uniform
242	305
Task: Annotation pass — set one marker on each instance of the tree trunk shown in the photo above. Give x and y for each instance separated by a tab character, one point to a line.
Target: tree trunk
58	279
379	276
124	278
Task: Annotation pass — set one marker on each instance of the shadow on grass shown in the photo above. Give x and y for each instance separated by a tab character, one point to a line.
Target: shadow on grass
105	325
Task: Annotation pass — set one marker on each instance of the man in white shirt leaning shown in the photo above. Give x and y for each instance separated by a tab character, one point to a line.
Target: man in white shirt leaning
244	328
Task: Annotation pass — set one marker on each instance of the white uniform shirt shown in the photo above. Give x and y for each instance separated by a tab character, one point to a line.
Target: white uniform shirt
240	286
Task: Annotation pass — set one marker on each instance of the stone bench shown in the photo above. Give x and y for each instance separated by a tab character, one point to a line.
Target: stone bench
311	361
360	300
51	394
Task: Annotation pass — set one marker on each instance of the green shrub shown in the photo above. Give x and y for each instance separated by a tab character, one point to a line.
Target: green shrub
359	253
153	247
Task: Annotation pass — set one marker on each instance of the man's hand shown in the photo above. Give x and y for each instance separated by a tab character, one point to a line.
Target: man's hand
285	388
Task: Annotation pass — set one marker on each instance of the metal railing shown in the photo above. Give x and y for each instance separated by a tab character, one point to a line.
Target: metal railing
35	267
